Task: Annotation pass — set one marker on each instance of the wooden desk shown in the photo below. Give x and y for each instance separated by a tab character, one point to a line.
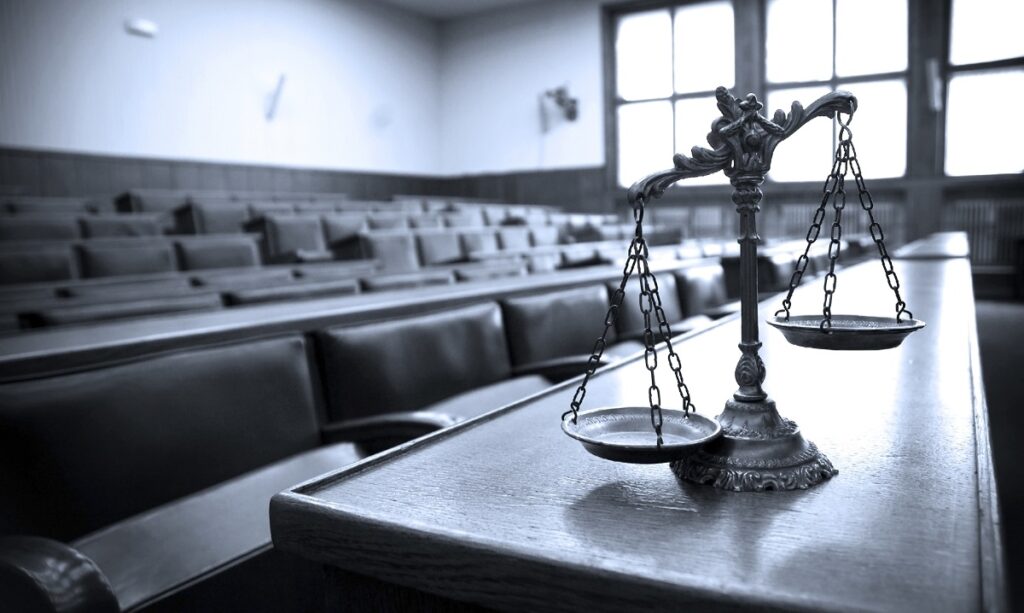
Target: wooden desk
507	512
936	246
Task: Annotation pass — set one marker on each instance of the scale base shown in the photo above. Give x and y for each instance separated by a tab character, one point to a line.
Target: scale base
759	450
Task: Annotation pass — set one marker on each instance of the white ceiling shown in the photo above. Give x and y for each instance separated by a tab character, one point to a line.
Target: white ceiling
448	9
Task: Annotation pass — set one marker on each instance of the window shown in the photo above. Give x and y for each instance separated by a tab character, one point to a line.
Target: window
985	77
862	49
665	79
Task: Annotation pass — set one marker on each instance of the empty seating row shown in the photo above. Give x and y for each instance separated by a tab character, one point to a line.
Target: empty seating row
29	262
35	205
70	227
109	499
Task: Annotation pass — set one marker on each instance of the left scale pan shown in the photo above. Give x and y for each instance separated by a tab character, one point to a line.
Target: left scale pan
625	434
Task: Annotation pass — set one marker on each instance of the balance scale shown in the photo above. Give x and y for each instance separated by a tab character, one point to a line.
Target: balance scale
749	446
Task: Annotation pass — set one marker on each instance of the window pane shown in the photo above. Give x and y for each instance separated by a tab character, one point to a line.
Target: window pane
799	44
693	122
871	36
705	47
645	140
880	127
807	155
643	55
973	145
985	30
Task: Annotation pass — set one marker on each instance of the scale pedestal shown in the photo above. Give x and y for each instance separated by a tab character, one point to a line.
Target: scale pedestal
758	450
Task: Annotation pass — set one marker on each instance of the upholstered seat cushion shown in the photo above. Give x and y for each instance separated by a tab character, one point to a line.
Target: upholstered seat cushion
468	405
289	234
407	364
394	250
38	228
107	261
35	265
512	238
82	450
120	225
292	291
150	555
700	288
218	252
555	324
439	247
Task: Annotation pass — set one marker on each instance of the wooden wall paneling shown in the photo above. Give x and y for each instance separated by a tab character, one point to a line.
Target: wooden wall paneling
281	179
21	168
156	174
236	179
260	179
213	177
185	175
126	173
60	177
95	176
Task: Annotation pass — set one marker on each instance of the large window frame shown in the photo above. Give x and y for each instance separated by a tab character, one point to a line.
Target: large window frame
928	41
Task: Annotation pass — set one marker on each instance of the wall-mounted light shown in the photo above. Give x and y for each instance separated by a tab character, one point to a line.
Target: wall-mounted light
141	27
568	105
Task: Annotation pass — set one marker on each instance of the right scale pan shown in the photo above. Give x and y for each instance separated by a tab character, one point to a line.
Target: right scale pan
848	332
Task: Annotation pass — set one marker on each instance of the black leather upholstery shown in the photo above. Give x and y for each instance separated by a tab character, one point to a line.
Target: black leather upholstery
555	324
220	252
39	575
107	310
119	225
630	320
36	265
148	556
394	249
406	364
701	288
439	247
514	238
80	451
38	228
108	260
288	235
292	291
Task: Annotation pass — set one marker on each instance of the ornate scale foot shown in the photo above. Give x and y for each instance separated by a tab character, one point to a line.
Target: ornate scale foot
759	450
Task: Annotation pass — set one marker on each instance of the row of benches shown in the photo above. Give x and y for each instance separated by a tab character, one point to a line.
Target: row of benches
246	415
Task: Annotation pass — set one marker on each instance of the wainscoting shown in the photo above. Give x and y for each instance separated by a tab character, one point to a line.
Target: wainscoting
989	209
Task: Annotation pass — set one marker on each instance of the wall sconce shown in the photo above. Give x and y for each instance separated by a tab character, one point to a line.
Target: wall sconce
568	105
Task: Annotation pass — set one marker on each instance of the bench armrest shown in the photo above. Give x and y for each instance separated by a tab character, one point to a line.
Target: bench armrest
380	432
39	574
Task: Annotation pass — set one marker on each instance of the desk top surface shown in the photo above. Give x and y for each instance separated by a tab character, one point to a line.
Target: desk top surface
508	512
936	246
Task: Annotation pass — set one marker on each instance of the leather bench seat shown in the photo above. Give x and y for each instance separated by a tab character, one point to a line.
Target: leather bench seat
150	555
407	280
424	361
108	310
217	252
630	319
292	291
205	218
37	265
109	260
394	249
32	228
109	226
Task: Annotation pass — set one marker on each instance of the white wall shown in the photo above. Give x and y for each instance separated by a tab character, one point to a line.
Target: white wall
361	91
493	68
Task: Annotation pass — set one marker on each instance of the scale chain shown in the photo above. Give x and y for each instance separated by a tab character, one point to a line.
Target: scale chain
868	204
812	234
844	162
836	232
649	301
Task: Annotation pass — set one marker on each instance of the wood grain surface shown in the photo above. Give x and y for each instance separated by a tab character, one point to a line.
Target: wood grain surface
508	512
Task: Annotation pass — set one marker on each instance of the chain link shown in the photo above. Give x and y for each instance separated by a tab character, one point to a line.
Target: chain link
878	236
649	302
845	161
